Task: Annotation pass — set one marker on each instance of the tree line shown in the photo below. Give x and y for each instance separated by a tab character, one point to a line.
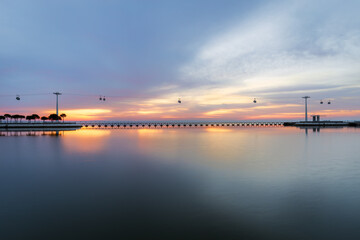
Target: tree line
33	117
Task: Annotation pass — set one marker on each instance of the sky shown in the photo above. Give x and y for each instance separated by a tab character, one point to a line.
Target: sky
217	55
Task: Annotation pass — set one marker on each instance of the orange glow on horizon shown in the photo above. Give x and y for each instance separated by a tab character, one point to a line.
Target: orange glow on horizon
188	112
83	114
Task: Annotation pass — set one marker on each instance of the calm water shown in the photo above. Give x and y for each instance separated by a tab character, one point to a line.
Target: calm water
191	183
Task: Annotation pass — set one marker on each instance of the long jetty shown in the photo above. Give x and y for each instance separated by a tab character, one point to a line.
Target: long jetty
165	124
174	124
178	124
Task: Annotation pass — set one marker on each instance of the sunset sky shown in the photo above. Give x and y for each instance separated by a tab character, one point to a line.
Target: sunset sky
217	55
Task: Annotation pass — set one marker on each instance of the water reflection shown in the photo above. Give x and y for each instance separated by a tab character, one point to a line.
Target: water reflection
32	133
149	131
195	183
219	130
86	141
317	129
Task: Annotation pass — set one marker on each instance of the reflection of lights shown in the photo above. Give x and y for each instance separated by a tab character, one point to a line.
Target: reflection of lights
87	141
89	133
148	131
219	130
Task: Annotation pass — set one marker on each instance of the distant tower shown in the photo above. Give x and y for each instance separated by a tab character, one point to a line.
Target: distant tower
57	102
306	114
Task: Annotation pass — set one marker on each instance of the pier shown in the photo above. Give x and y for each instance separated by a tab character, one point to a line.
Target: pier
175	124
167	124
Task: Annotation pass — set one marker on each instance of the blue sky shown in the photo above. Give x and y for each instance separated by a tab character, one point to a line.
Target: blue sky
216	55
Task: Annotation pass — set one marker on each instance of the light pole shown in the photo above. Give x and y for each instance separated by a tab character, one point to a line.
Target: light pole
306	115
57	102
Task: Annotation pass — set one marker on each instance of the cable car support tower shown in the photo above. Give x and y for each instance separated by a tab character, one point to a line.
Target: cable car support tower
306	110
57	102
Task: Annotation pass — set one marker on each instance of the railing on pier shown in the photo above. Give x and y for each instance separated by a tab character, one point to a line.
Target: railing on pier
124	125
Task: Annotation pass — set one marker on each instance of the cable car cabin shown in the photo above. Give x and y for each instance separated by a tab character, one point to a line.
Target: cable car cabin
18	97
329	102
321	102
254	100
179	100
104	99
100	98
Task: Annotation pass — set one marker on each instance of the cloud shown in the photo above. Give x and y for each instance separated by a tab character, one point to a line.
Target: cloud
217	60
278	47
279	53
